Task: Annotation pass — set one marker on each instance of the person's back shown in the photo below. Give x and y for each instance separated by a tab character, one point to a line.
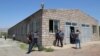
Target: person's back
57	35
72	34
61	37
72	37
61	34
35	36
77	34
78	45
13	36
56	42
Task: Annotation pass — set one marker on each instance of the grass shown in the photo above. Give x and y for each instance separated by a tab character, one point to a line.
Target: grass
25	47
49	49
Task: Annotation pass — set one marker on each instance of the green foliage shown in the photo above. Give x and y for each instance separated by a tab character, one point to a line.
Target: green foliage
4	33
25	47
48	49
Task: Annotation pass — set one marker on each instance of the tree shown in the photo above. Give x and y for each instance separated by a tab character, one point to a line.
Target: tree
3	33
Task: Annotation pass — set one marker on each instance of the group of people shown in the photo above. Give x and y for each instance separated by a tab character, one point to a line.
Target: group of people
75	38
33	39
59	36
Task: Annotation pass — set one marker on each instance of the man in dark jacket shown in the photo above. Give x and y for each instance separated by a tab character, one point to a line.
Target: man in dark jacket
29	38
56	38
72	37
33	39
61	37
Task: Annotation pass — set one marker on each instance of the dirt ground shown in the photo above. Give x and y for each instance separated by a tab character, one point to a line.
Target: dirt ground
10	48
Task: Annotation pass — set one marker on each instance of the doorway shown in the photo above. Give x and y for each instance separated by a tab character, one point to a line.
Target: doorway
72	29
72	40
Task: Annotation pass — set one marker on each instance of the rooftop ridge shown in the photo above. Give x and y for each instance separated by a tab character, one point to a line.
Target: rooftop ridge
61	9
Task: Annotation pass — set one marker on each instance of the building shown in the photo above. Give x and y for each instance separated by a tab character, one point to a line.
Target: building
46	21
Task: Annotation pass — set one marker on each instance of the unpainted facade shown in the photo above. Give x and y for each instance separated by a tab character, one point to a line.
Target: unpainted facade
46	21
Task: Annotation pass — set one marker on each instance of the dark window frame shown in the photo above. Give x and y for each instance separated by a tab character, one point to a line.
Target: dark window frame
94	29
74	24
52	24
68	23
85	25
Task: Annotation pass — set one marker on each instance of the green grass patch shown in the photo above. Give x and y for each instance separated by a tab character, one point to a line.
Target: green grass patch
48	49
23	46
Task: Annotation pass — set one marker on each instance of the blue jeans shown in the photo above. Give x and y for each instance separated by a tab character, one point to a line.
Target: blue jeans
78	45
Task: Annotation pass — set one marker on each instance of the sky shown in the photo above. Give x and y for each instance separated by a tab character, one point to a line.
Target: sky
14	11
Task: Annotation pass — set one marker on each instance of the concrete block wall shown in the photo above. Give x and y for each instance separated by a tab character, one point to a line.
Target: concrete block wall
20	29
64	16
44	15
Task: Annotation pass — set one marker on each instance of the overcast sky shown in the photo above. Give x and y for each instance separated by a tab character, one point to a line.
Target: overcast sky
13	11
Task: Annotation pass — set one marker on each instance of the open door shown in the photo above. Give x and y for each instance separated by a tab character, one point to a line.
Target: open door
67	34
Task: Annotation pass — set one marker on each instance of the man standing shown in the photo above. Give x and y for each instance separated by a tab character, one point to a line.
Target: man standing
77	40
13	36
29	38
56	38
33	42
5	37
61	37
72	37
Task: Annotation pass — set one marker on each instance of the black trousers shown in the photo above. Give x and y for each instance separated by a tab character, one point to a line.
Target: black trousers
56	42
61	42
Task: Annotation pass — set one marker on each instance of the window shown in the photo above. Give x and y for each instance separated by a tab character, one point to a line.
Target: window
74	24
68	23
94	28
53	25
85	25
